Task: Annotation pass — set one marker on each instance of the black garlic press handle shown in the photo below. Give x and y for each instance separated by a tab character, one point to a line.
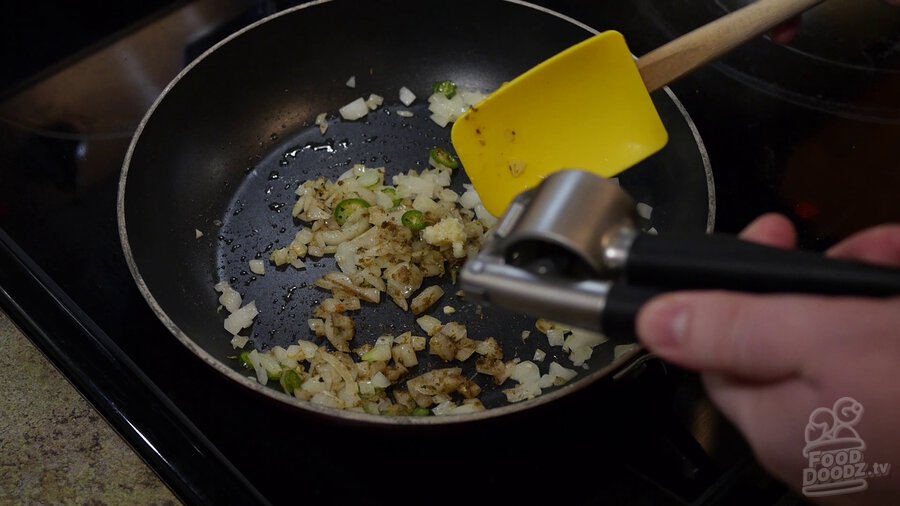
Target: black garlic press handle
728	263
620	311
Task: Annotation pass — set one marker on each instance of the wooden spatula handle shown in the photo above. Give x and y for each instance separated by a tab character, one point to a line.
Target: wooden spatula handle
671	61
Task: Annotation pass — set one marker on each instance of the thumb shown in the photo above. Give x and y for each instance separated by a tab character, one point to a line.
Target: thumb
754	337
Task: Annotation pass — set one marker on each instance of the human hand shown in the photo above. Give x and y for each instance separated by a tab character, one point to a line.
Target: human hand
768	361
786	32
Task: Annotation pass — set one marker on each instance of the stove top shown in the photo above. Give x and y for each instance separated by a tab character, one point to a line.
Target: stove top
821	152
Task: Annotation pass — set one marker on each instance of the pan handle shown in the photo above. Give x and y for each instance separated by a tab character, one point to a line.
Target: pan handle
728	263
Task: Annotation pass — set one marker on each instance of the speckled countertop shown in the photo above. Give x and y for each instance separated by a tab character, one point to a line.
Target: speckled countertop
54	447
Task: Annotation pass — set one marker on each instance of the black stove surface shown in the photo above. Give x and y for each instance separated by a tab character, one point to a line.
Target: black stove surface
649	438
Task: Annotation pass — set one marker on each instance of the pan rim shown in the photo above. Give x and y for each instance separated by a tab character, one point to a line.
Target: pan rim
346	416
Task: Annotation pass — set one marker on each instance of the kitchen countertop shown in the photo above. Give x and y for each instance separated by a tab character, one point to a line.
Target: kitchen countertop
54	447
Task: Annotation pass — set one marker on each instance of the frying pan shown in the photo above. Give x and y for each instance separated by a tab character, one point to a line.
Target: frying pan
229	140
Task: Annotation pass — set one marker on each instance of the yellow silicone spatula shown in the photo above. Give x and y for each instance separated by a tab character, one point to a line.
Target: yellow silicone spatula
589	107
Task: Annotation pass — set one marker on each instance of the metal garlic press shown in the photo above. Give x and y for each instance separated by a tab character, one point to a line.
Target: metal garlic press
570	250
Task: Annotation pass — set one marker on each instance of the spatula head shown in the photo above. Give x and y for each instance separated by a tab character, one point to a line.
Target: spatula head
585	108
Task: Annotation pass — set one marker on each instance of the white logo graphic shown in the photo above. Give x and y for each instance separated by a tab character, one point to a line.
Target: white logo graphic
835	452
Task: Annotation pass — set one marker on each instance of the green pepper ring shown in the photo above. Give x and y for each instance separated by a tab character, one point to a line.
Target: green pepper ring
444	157
345	209
445	88
413	220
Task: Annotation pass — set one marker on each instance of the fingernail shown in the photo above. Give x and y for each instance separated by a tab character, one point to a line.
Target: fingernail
664	323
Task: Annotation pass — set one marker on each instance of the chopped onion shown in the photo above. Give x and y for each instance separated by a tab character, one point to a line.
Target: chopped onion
308	348
471	97
347	174
489	348
239	341
556	337
379	380
351	82
322	123
450	108
529	376
404	354
326	398
526	372
270	364
579	356
374	101
622	349
644	210
369	177
485	216
407	96
403	113
440	119
580	338
416	184
261	375
197	233
383	200
257	267
281	355
425	299
295	352
580	343
366	388
561	372
444	408
354	110
230	298
317	325
381	351
314	385
468	407
469	199
424	204
241	319
429	324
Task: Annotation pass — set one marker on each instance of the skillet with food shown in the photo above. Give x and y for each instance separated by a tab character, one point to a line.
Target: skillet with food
210	185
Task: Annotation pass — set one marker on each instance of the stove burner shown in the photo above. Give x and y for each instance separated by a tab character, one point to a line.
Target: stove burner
845	62
859	34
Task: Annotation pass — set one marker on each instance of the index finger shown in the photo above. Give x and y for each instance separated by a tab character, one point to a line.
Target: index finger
879	245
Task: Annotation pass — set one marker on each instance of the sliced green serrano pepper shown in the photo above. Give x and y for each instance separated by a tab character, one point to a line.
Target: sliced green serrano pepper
346	208
445	88
413	220
443	157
